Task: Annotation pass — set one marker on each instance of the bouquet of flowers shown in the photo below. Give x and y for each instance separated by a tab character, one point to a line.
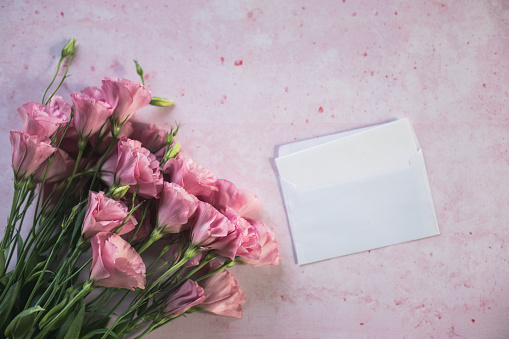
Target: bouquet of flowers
125	231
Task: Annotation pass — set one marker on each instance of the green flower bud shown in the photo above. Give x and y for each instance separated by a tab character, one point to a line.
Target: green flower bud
161	102
118	192
69	48
139	70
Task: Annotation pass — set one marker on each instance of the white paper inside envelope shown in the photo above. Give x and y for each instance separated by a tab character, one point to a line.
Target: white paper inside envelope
355	191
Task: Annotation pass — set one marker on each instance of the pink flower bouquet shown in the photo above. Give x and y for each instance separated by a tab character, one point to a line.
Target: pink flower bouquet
121	213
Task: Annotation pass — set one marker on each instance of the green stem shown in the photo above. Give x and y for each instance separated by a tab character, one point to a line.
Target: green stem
52	80
148	330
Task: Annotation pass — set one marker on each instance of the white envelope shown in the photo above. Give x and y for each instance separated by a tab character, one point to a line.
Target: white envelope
356	191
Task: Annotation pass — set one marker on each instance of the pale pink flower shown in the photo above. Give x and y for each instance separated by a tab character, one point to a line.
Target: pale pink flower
189	294
106	215
269	251
41	120
209	228
90	114
57	103
135	166
115	263
223	295
125	96
228	195
28	153
176	207
244	236
193	177
61	167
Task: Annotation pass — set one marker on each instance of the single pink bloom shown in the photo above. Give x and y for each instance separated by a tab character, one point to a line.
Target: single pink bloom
57	103
115	263
228	195
61	168
41	120
269	251
245	236
28	153
125	97
189	294
105	215
94	92
223	295
176	207
209	227
90	114
135	166
193	177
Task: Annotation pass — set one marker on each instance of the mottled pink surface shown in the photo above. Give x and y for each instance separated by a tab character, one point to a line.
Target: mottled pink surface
250	75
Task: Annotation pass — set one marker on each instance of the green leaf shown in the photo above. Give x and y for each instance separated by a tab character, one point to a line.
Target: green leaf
2	263
53	313
22	323
19	244
75	328
8	303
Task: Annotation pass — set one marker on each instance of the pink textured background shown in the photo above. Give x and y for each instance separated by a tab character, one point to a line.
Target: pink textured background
250	75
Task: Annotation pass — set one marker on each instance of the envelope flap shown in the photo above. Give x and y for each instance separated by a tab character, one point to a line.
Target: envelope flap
374	150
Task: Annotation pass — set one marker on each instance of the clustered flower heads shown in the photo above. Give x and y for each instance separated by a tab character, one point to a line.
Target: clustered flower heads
108	191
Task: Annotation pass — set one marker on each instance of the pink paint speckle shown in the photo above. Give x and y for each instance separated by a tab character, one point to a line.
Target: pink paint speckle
238	63
92	68
286	89
307	121
365	54
396	13
361	324
222	61
484	85
473	320
320	109
62	13
354	14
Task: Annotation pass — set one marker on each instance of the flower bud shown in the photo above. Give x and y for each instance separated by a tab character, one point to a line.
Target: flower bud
69	48
161	102
139	70
118	192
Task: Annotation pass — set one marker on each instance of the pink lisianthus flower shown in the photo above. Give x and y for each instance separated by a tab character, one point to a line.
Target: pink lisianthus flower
42	120
189	294
269	252
193	177
245	236
115	263
90	114
61	167
28	153
227	195
223	295
209	229
105	215
125	97
176	207
135	166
